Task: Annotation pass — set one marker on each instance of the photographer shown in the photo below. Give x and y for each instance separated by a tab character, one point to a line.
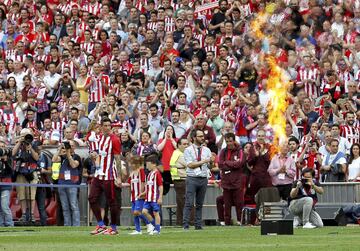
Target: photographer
26	156
5	177
69	175
303	197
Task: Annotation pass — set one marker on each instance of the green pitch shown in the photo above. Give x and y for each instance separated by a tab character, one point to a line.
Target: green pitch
211	238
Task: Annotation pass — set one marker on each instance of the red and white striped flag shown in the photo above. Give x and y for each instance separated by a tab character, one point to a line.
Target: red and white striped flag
207	6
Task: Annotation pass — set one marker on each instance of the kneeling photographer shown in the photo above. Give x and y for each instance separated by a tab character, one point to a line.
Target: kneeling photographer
302	200
69	174
26	156
5	190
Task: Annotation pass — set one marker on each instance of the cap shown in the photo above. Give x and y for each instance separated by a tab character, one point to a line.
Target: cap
243	84
327	105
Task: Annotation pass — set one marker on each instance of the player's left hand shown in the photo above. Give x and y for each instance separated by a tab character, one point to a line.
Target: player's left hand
159	201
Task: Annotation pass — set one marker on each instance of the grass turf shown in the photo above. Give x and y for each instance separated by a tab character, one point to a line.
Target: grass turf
211	238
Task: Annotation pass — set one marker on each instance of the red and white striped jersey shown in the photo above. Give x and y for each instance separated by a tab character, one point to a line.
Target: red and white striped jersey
20	58
10	54
351	133
121	124
93	141
232	62
93	8
135	180
126	68
145	64
87	47
212	48
311	73
153	182
344	78
10	121
222	40
44	37
152	26
59	126
201	38
246	9
71	66
64	8
45	58
140	5
109	146
83	27
169	24
97	91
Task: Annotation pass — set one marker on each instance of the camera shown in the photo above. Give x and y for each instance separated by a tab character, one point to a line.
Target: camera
305	183
5	151
67	145
28	139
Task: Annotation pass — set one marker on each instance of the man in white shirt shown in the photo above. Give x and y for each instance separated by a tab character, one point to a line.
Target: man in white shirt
51	79
334	164
344	144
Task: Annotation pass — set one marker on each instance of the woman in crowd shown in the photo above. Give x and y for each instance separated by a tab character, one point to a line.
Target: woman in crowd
354	163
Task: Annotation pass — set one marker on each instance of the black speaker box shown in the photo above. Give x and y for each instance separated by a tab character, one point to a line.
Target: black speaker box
332	216
275	227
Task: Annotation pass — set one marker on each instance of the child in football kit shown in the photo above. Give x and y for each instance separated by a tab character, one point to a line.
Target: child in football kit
153	193
137	188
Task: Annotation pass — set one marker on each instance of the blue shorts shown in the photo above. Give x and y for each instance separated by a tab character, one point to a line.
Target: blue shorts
152	206
137	205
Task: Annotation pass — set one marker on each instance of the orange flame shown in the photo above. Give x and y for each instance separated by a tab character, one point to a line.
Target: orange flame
257	24
277	86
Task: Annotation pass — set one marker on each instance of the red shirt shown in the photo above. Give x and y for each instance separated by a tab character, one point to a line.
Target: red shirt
167	152
108	147
153	182
167	54
135	180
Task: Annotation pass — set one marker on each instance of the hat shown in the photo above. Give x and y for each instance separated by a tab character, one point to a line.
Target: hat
327	105
243	84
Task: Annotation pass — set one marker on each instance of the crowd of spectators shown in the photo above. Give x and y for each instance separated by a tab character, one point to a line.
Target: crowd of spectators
162	69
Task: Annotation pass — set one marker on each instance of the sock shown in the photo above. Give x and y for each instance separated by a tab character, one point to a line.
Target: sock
113	227
144	219
137	223
157	227
101	223
153	222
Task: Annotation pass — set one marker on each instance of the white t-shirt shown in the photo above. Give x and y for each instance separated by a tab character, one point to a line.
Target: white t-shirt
341	160
354	169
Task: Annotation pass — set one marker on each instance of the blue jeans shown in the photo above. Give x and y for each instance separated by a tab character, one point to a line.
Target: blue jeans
5	211
70	205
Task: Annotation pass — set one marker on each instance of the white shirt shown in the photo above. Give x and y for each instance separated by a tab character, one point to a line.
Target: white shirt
19	77
339	28
264	98
50	81
354	169
341	160
344	145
